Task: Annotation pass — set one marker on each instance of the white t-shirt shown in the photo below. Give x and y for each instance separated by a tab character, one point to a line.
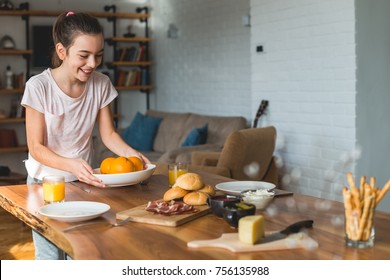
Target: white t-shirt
69	121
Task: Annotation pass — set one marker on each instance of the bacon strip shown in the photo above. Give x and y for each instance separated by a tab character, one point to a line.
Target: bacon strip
169	208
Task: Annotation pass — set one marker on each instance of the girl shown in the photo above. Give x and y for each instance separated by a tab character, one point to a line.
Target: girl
62	105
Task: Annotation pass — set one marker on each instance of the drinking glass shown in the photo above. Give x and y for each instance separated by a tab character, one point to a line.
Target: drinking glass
359	233
175	170
53	188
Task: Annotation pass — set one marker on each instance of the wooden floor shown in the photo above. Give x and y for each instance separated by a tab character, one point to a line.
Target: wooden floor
15	238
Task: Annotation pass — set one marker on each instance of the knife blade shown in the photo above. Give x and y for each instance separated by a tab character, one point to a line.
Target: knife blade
293	228
80	186
82	225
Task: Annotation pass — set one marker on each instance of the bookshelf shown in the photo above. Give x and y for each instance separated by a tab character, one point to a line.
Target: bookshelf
131	62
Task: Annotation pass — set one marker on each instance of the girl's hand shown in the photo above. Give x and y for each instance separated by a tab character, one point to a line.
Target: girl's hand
144	159
84	172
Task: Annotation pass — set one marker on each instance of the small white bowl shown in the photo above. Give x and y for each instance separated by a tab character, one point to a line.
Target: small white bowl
260	198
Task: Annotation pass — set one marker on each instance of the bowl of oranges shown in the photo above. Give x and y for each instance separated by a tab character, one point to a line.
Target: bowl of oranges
123	171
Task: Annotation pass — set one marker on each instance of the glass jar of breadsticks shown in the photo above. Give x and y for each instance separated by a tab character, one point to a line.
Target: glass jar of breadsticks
360	202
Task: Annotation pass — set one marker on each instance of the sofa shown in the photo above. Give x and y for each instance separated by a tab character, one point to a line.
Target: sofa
173	130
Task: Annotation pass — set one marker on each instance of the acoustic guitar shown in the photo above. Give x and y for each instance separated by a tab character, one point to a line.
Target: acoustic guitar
260	112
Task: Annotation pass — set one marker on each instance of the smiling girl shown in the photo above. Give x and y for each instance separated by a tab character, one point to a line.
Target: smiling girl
63	104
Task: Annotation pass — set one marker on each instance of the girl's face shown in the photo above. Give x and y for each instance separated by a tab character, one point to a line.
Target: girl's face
84	56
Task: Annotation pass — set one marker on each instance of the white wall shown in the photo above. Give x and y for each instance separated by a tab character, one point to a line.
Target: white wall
373	97
307	72
206	69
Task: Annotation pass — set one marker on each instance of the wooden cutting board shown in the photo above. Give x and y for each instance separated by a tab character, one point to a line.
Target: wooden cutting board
230	242
140	215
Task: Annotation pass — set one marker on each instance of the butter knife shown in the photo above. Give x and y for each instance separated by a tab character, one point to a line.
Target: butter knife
294	228
82	225
80	186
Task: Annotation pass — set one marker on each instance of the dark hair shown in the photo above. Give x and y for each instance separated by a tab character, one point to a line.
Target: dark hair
67	26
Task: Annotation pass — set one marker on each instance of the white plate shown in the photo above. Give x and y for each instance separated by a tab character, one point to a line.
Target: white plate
125	179
237	187
74	211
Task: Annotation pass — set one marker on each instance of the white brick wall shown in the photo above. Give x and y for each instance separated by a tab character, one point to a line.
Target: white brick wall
308	74
207	68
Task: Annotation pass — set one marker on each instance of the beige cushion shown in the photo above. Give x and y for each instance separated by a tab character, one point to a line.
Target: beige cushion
171	130
219	127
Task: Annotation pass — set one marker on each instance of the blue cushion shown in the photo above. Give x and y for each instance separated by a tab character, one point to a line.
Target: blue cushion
141	132
197	136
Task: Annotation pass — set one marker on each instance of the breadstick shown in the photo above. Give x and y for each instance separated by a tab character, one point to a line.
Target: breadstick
364	217
361	187
367	190
356	200
367	231
377	192
383	192
354	191
355	225
348	212
372	181
351	180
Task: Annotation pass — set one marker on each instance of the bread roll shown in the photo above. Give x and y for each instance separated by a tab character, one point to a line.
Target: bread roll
195	198
174	193
189	181
208	189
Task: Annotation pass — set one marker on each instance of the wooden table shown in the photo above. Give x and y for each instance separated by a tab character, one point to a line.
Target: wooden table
143	241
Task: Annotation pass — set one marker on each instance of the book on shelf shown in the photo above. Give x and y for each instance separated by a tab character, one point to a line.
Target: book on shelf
141	53
121	78
137	80
18	80
133	53
132	77
129	78
144	77
122	53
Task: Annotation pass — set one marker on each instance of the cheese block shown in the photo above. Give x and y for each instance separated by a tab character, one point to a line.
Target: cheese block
251	229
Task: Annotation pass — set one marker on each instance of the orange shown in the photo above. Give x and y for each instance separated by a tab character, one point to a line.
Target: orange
106	165
121	165
138	163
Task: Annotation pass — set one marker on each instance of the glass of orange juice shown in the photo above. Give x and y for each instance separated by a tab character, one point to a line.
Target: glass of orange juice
175	170
53	188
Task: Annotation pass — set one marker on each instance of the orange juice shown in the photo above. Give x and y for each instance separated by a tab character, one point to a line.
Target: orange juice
175	170
53	189
174	174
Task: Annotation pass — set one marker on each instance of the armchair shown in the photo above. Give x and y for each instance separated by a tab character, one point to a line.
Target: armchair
246	155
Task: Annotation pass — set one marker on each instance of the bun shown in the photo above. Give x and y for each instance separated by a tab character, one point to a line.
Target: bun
189	181
195	198
208	189
174	193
